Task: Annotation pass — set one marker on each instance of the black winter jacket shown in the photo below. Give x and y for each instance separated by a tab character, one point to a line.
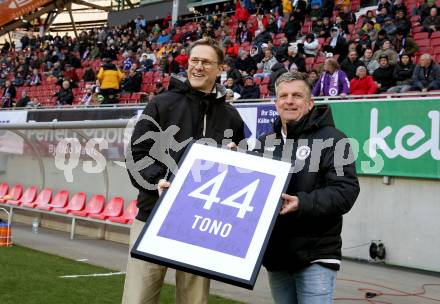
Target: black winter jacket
185	108
277	70
313	232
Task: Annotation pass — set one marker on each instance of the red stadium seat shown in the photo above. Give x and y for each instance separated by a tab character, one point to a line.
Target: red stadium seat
113	208
43	198
28	197
13	194
128	216
421	35
59	201
257	81
264	91
76	203
265	81
435	42
423	42
95	206
4	187
435	35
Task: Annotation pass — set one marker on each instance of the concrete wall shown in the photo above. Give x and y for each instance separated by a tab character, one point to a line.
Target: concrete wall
151	12
404	214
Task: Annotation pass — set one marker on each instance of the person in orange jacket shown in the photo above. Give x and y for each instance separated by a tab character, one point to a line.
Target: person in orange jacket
362	84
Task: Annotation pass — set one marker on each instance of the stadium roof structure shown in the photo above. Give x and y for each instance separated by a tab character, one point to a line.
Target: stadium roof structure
20	13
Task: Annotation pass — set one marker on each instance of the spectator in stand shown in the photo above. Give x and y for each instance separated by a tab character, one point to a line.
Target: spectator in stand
245	64
403	44
327	27
426	76
384	4
350	64
337	44
70	73
347	15
233	73
294	57
132	83
229	84
402	74
431	23
341	25
318	29
398	6
425	9
382	15
312	78
384	74
87	99
170	66
281	50
401	21
65	94
35	79
292	28
387	50
381	37
316	12
89	75
332	82
23	101
240	12
231	49
250	90
9	94
390	28
182	59
370	63
266	64
243	34
341	4
287	8
278	69
128	61
145	64
164	38
370	29
362	84
311	46
109	78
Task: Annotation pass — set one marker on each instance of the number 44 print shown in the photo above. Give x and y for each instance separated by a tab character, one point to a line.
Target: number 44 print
212	197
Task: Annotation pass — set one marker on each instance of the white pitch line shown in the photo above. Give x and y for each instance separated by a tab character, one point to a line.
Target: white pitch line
92	275
82	260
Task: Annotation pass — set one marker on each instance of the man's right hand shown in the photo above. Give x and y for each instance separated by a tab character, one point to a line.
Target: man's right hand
162	185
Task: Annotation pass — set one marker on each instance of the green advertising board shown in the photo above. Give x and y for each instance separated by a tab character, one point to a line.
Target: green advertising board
394	138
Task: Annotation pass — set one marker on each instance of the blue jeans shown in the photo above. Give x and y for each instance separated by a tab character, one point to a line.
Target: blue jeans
312	285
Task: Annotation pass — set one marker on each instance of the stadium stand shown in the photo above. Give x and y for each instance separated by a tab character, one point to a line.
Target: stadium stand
132	46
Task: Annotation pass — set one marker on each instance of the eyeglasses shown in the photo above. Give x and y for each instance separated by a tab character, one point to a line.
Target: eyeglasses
205	62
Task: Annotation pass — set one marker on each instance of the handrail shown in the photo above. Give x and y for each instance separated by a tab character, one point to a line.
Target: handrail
92	124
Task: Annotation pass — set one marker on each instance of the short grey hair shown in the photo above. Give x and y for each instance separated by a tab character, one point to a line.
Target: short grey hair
293	76
426	56
361	67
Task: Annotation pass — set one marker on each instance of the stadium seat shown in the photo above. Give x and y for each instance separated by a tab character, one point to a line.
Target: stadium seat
43	198
76	203
95	206
423	42
265	81
59	201
13	194
128	216
264	91
435	35
113	208
4	187
421	35
27	197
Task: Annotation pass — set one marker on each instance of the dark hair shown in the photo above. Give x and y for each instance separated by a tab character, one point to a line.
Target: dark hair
209	42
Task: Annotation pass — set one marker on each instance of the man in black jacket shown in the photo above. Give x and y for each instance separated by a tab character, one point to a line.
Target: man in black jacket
195	107
350	64
250	90
304	251
384	74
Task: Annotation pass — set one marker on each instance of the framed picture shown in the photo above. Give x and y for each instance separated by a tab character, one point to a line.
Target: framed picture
216	218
